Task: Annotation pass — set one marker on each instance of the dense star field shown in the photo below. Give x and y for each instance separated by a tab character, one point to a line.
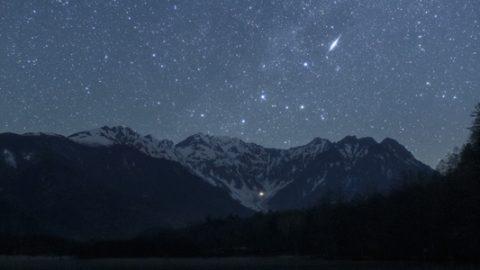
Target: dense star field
277	73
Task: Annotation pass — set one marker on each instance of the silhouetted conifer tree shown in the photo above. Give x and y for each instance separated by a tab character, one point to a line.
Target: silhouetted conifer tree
475	128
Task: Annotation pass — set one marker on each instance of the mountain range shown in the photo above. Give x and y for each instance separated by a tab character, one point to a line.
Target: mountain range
114	181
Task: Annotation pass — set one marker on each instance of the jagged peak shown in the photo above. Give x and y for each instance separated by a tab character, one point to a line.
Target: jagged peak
318	140
389	141
349	139
107	130
395	146
392	144
107	135
121	135
200	136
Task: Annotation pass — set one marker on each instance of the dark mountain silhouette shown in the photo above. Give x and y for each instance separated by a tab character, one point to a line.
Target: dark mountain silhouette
52	185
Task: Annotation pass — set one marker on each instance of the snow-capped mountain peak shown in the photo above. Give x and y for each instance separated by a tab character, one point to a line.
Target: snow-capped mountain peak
313	148
120	135
254	175
106	136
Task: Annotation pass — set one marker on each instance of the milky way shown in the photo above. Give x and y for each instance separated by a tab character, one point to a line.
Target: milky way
277	73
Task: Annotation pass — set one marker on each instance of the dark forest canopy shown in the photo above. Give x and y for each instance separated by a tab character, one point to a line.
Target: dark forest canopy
437	218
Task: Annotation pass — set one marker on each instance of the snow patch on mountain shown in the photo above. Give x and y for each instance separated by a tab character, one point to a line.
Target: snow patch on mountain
108	136
317	181
253	174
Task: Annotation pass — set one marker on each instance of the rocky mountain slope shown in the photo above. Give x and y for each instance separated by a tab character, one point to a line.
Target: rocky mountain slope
264	178
52	185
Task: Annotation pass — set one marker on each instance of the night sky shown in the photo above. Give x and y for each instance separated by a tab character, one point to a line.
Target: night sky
277	73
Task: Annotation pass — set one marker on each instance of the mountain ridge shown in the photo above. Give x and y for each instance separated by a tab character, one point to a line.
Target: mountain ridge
260	177
57	186
251	173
